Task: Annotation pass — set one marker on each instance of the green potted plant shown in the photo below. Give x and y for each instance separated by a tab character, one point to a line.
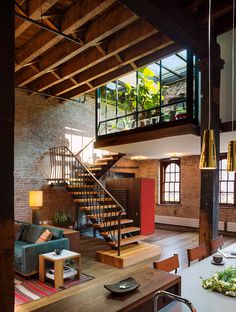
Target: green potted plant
62	219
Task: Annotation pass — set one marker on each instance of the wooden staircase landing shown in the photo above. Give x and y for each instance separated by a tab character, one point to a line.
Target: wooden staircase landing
130	255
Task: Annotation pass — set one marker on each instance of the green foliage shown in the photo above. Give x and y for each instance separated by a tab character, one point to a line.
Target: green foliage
223	282
62	218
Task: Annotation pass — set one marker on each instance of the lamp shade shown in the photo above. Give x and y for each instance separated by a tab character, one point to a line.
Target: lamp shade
231	156
208	153
35	199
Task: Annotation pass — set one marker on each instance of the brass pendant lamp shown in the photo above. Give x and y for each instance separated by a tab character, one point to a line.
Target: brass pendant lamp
208	151
231	156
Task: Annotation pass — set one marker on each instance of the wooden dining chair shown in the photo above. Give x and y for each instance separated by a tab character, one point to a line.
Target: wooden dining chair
196	253
216	243
168	264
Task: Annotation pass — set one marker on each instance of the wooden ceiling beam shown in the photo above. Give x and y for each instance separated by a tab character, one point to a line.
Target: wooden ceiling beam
123	71
35	8
135	33
44	40
129	56
217	11
102	27
170	18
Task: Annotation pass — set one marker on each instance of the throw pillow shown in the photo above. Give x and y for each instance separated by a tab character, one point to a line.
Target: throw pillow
19	227
46	236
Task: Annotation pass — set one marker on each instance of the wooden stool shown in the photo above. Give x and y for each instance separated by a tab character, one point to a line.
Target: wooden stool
196	253
168	264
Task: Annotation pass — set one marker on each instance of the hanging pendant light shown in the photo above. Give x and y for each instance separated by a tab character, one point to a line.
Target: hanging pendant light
208	151
208	154
231	155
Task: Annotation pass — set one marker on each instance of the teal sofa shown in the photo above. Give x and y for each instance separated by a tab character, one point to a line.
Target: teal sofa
26	252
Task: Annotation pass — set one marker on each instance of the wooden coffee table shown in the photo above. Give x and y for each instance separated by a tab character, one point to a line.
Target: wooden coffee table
58	261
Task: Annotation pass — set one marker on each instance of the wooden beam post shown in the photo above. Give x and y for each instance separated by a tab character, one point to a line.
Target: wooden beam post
7	156
209	199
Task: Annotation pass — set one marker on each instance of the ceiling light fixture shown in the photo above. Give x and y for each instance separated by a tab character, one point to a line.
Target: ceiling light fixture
231	155
208	150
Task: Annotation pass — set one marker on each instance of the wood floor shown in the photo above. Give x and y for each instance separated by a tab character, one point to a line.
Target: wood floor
169	246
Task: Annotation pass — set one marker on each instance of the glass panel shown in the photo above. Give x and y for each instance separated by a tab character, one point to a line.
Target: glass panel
231	176
177	177
177	197
127	94
172	177
230	198
167	177
172	186
223	198
167	188
177	187
224	163
166	196
111	100
168	168
223	186
230	186
172	197
223	175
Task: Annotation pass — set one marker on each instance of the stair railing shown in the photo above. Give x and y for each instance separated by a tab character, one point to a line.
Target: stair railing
66	168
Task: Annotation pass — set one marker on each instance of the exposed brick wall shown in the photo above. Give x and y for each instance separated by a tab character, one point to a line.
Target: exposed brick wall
39	125
190	187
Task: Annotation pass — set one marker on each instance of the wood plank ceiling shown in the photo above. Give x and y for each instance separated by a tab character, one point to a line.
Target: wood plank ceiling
66	48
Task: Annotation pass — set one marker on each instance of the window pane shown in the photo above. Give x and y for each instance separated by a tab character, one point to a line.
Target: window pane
167	177
231	187
177	177
177	197
166	196
231	176
223	186
177	169
177	187
172	177
223	198
224	163
168	168
223	175
172	167
230	198
172	197
167	187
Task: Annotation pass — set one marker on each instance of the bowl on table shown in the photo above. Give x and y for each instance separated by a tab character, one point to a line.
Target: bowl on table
58	251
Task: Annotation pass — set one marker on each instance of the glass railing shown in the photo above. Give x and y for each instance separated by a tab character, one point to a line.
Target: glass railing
158	115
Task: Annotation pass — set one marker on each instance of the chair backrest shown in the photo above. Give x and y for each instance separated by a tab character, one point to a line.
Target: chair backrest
168	264
216	243
196	253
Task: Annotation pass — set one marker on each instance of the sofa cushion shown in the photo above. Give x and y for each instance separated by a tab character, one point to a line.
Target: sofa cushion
44	237
33	233
19	227
18	250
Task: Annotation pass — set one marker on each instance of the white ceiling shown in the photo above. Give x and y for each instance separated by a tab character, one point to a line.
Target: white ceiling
183	145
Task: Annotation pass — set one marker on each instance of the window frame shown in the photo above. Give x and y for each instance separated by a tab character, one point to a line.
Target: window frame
226	205
164	163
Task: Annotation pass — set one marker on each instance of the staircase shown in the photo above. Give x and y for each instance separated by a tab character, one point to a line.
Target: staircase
102	210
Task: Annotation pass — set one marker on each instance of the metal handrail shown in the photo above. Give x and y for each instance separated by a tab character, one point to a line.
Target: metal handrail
63	151
174	297
84	147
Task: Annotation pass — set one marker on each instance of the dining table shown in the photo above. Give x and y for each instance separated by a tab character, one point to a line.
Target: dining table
202	299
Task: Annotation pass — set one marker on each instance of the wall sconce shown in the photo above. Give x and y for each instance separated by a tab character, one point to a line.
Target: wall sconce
35	202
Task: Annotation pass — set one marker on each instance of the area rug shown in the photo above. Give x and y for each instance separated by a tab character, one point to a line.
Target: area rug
27	290
160	234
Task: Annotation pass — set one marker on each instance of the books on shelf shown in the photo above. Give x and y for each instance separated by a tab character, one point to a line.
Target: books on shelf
68	272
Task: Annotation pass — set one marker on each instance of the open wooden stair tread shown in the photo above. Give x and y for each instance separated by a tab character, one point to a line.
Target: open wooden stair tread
79	186
92	207
88	192
128	240
105	215
126	230
93	200
111	223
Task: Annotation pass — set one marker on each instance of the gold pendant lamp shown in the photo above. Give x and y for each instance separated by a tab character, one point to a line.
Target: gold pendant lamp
231	155
208	151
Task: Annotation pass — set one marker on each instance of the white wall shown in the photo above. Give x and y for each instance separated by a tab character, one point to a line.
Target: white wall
225	41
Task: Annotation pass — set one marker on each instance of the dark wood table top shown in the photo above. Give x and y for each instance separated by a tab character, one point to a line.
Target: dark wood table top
92	296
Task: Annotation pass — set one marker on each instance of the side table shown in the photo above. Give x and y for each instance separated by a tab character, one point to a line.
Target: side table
58	261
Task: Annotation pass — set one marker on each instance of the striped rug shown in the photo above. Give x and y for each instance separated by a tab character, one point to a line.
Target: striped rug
27	290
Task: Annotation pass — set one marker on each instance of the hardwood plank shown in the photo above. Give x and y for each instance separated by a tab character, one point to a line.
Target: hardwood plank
102	27
135	33
35	9
117	73
76	16
170	18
